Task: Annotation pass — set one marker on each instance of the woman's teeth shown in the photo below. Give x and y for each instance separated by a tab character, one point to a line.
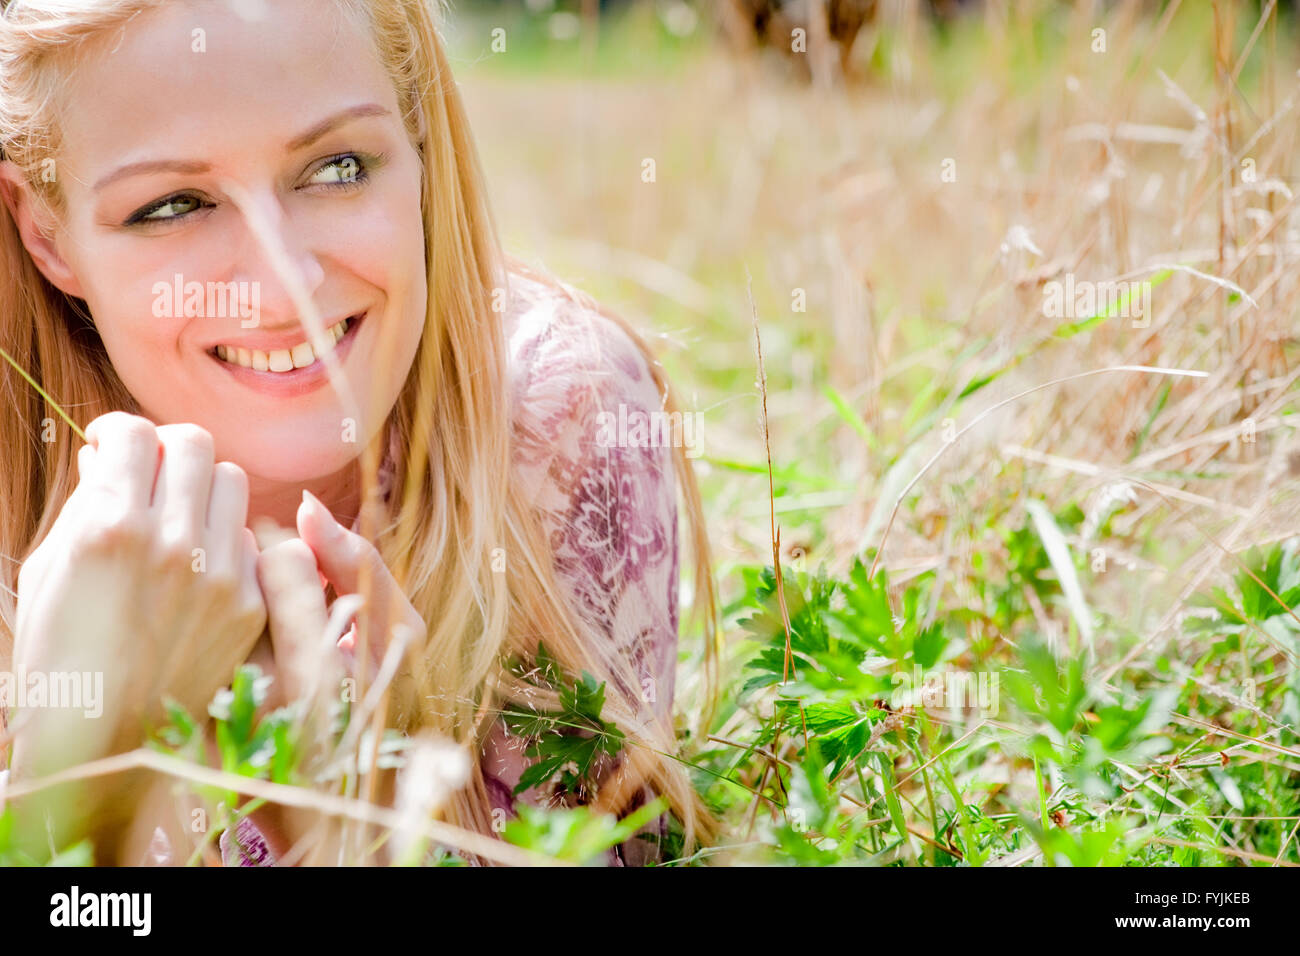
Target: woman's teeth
280	360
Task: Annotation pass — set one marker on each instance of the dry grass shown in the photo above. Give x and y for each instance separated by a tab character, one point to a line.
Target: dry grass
1117	165
911	291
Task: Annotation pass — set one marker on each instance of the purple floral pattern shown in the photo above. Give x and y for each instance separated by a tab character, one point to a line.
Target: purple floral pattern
609	507
246	848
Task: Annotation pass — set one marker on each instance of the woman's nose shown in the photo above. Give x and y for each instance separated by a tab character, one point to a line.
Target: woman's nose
275	259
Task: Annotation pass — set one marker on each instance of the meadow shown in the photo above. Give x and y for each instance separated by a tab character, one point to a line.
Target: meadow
1037	567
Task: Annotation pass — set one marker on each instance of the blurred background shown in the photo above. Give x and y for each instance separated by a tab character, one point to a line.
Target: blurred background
883	290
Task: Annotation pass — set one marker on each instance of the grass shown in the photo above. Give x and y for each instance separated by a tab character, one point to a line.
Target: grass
1072	527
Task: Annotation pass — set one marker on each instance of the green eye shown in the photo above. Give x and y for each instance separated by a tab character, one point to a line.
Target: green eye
170	208
342	170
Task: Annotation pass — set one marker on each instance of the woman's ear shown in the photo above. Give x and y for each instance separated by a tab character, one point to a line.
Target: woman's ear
36	229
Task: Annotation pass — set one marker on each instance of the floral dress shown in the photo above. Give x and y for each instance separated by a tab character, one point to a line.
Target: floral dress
608	506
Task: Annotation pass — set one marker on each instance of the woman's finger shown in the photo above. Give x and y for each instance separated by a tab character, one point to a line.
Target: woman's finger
390	627
126	458
184	483
344	557
227	515
85	461
295	606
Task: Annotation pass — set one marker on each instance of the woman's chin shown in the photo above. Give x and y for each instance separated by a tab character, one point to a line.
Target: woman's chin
290	465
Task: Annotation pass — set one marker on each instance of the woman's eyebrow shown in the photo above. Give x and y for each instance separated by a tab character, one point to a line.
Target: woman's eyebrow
338	119
192	167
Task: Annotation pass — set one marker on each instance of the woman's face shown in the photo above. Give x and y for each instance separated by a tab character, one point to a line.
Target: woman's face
293	110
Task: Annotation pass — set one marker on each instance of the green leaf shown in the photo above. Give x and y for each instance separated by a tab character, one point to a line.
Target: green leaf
567	743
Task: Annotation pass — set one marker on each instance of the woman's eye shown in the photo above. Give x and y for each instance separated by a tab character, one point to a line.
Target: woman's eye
173	207
340	171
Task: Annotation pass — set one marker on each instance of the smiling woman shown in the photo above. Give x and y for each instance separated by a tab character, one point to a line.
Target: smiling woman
418	410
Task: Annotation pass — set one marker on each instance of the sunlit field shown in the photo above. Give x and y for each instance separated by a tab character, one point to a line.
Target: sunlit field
1025	282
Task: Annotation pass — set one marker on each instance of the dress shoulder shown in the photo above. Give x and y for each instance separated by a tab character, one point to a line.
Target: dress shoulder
592	457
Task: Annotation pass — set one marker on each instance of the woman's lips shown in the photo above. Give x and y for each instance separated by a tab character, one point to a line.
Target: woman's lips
299	381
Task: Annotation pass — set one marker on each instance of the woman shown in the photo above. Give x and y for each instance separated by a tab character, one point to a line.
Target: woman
419	411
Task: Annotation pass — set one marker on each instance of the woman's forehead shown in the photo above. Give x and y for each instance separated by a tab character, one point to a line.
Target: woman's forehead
205	75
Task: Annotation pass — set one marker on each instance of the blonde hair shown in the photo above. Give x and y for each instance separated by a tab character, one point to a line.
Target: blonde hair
454	499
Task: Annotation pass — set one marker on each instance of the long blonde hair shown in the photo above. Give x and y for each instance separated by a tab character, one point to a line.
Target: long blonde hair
454	499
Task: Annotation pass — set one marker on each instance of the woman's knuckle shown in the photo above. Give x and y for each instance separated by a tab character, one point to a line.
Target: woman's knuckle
114	528
360	551
135	431
187	436
231	474
267	559
174	554
292	554
111	421
138	426
223	584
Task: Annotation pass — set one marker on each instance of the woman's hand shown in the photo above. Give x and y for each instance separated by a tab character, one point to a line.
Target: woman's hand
309	651
148	578
312	649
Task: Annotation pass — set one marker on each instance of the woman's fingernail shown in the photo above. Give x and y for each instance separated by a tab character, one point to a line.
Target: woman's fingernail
323	515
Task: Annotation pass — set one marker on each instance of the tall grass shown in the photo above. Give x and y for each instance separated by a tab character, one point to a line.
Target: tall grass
1085	537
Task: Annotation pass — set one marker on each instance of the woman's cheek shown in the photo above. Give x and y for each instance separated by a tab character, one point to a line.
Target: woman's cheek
136	358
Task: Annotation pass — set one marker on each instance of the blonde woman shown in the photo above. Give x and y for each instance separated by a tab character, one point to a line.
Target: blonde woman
421	413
